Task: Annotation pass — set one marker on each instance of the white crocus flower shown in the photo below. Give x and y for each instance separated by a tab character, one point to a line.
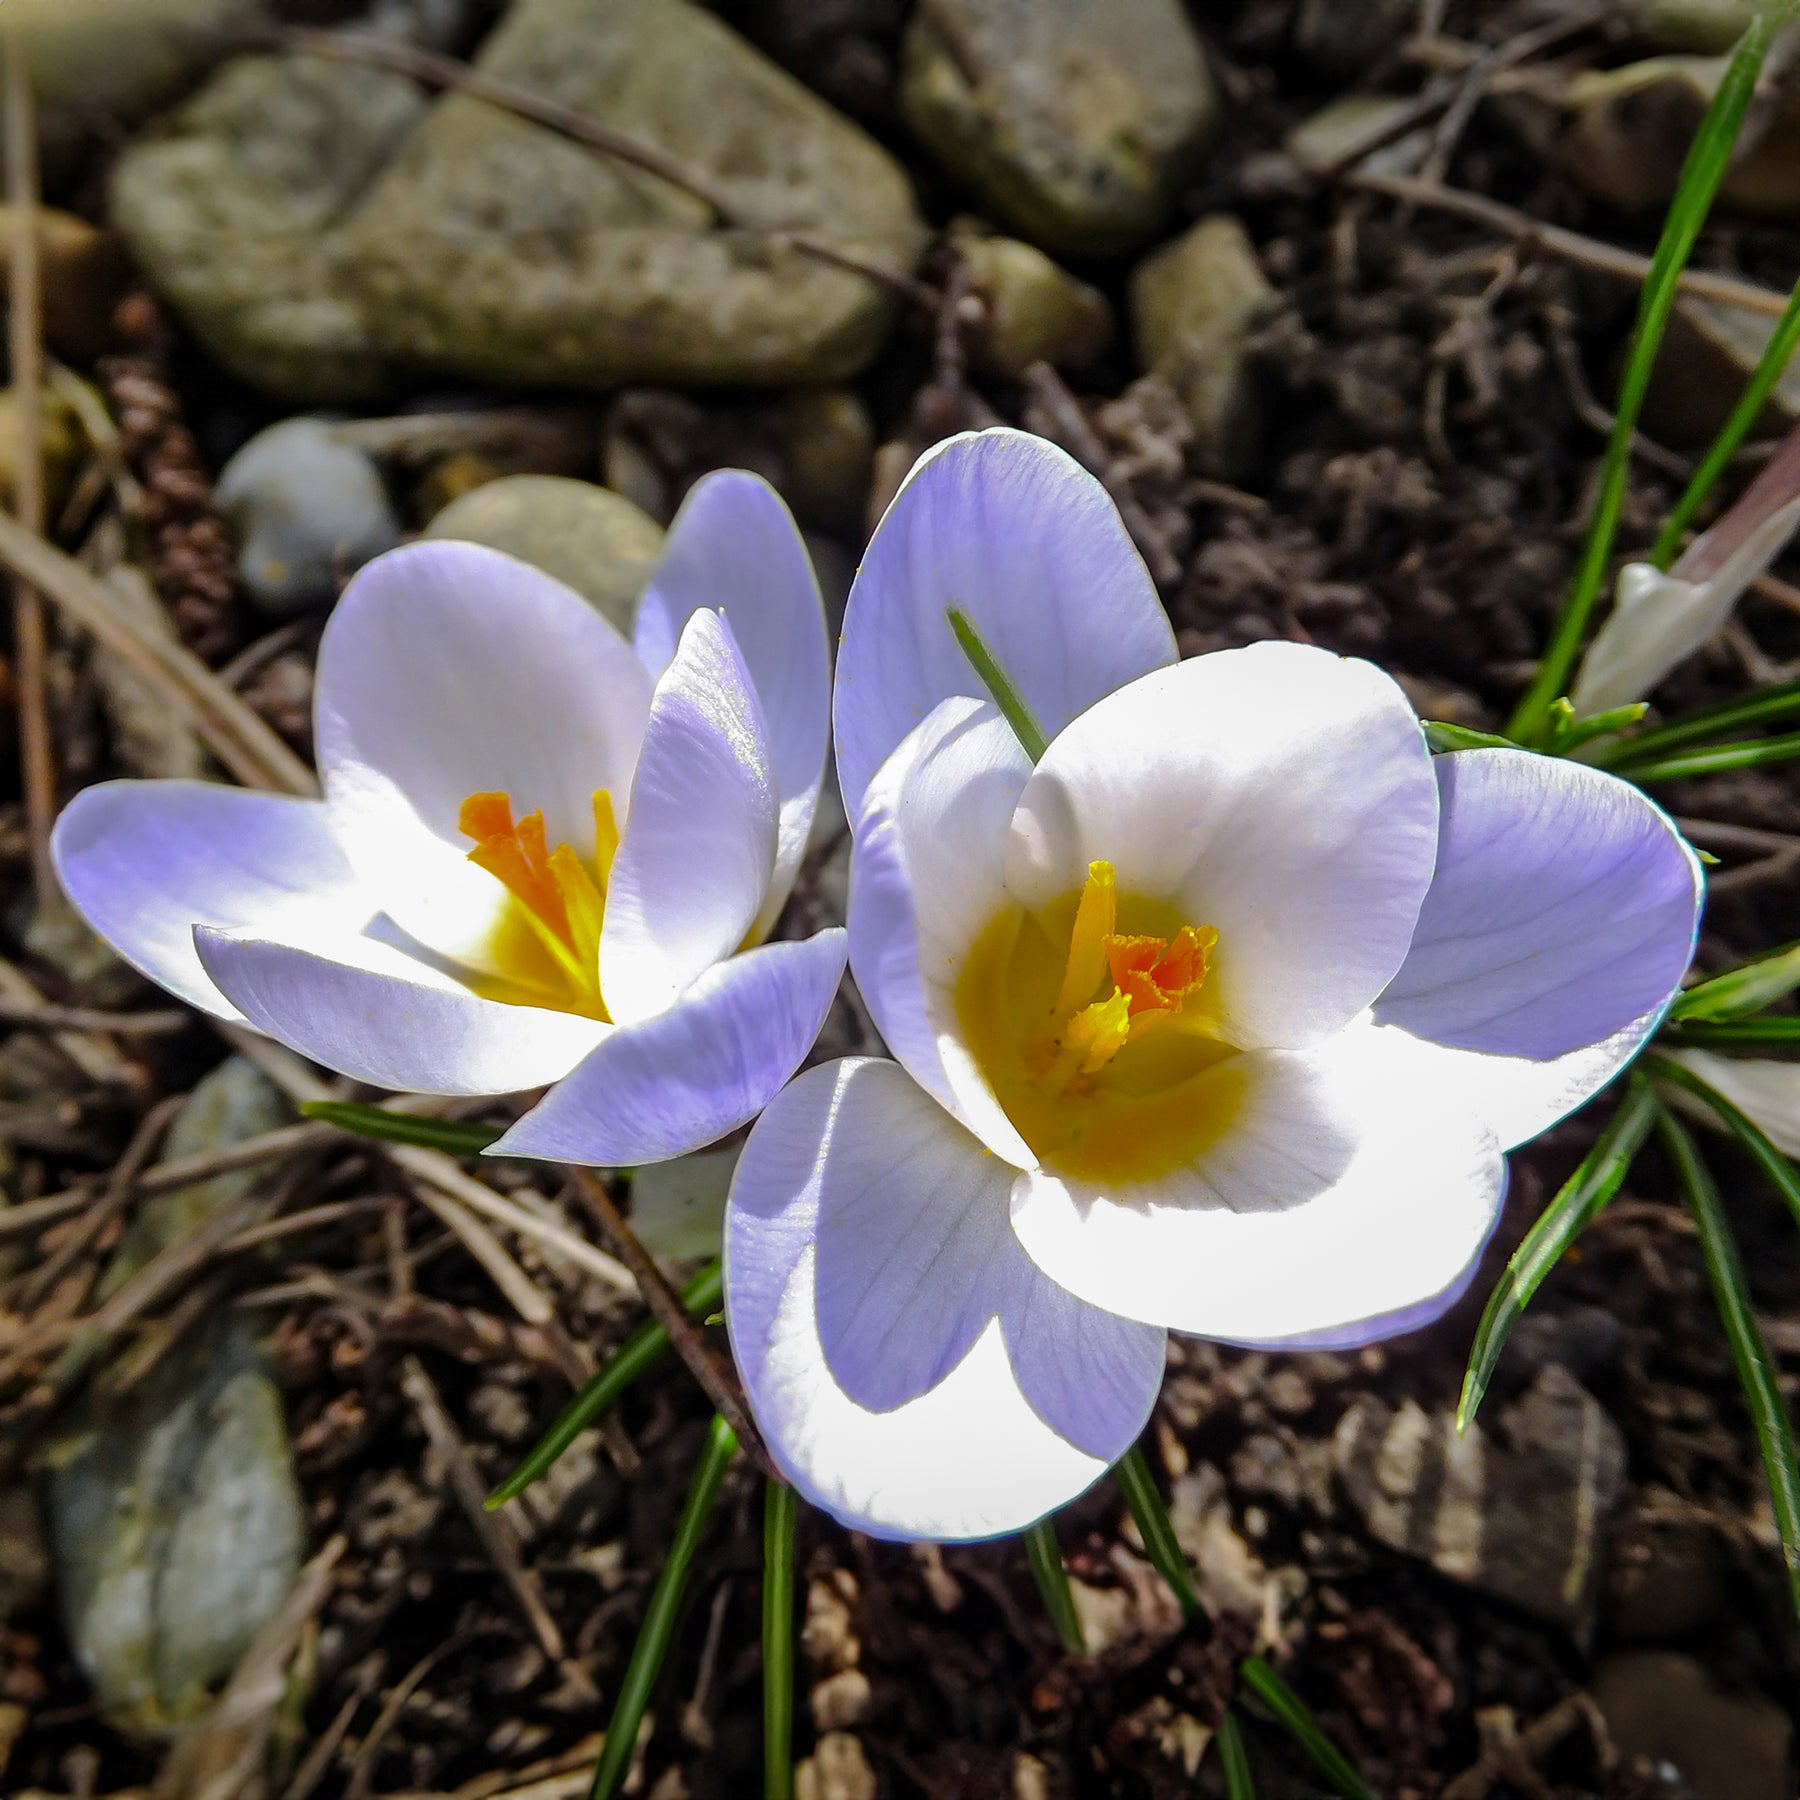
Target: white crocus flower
542	851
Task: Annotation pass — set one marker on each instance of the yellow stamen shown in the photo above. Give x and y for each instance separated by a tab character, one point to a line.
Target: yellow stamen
1095	915
557	897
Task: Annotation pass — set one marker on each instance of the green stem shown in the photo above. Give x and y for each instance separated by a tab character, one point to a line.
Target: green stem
781	1507
1737	1313
1138	1485
1045	1556
639	1353
1014	708
1291	1713
1594	1183
1701	173
1769	370
659	1617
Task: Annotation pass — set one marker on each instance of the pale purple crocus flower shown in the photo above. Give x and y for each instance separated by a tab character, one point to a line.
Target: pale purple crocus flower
541	852
1218	1020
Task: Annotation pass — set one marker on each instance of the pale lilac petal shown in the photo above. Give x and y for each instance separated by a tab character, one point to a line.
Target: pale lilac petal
911	1372
693	867
926	874
375	1014
145	861
1343	1188
711	1063
734	547
1280	794
447	670
1564	906
1018	534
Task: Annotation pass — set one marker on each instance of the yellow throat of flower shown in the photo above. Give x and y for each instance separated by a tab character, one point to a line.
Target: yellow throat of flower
1094	1024
546	944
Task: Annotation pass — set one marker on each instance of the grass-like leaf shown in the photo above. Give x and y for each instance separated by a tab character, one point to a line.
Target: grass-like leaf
1234	1762
1701	174
1741	991
781	1508
1044	1554
458	1137
659	1617
1138	1485
1764	707
1768	371
639	1353
1756	1372
1291	1714
1561	1222
1712	759
1443	737
1568	733
1783	1176
1015	709
1781	1033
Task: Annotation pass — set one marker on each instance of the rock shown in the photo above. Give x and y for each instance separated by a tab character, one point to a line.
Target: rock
678	1207
82	276
1667	1576
178	1528
840	1700
1658	1705
61	445
827	444
308	511
595	540
149	738
24	1560
1193	305
99	67
1622	134
1348	129
836	1770
1076	122
233	211
91	973
1343	37
325	234
1032	310
1709	351
1519	1517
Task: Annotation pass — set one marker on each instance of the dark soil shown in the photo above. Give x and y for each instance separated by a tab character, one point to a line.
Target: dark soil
1421	489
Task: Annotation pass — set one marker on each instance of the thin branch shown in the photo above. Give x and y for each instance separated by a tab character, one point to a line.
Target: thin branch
1571	246
37	755
716	1380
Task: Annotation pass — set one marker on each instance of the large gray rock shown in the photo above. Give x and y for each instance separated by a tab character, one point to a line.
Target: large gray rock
596	541
1075	120
323	234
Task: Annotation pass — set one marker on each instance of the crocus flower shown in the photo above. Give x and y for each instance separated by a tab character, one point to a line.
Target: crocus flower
540	849
1660	617
1219	1019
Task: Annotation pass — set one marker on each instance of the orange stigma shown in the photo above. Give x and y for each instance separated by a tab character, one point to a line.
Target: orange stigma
556	896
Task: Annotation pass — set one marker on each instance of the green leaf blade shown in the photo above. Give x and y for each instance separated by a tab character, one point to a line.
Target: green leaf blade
659	1616
1782	1034
1740	991
1014	708
1138	1485
1713	759
1045	1556
456	1137
1595	1181
781	1509
1234	1760
1291	1713
1737	1313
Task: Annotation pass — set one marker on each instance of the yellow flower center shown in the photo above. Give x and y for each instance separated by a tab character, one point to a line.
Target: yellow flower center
546	944
1093	1023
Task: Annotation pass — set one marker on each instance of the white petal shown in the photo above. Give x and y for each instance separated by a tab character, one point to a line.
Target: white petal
1280	794
1018	534
449	670
375	1014
146	861
1344	1188
1768	1092
693	867
1658	618
926	874
734	547
711	1063
866	1248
